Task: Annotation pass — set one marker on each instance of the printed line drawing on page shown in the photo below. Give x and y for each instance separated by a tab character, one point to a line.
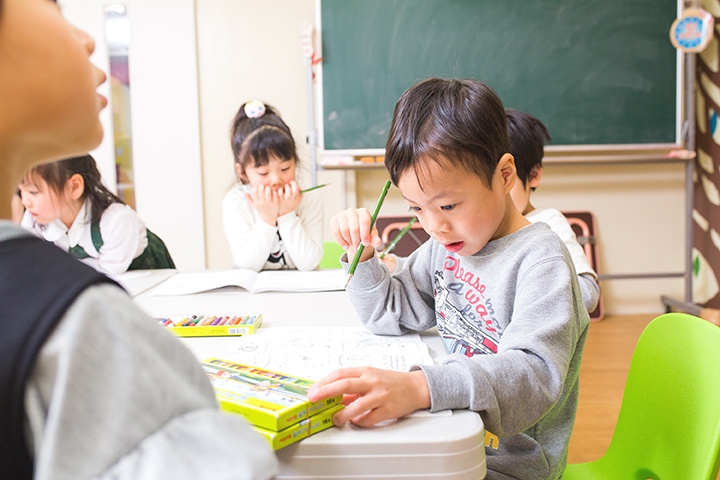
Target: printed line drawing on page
314	352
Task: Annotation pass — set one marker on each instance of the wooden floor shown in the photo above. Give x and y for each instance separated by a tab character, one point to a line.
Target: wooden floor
603	372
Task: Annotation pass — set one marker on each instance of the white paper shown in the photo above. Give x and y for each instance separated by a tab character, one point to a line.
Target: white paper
314	352
137	281
265	281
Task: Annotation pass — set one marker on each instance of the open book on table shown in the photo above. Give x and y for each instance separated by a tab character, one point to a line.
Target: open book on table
252	281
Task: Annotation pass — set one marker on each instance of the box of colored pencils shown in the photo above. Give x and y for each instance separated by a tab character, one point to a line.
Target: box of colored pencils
267	399
211	325
305	428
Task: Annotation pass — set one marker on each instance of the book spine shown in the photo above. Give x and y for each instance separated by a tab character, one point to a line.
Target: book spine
283	438
295	433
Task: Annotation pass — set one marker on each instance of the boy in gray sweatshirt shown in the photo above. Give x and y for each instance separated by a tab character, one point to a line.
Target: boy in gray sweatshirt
502	292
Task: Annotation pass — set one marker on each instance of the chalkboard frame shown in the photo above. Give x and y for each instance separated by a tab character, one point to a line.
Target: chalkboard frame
563	152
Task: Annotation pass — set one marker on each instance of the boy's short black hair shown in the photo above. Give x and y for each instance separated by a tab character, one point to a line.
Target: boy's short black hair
527	136
461	122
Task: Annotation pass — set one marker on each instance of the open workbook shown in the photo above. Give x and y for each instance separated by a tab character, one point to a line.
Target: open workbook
255	282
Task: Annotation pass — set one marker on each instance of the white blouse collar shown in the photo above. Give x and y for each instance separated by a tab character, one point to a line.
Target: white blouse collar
56	229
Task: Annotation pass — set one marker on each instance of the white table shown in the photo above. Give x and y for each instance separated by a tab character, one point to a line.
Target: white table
447	445
136	282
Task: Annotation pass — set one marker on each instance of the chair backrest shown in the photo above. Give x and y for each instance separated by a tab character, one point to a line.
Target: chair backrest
583	224
389	227
332	251
669	422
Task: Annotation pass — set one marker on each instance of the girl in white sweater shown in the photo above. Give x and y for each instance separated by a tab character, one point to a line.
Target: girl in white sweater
268	222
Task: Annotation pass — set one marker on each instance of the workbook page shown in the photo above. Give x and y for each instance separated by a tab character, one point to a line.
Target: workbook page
313	352
196	282
297	281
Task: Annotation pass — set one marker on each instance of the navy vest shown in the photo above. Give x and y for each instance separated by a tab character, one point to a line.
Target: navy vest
38	282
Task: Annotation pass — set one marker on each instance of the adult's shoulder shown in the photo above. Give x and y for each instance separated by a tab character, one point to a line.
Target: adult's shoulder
9	230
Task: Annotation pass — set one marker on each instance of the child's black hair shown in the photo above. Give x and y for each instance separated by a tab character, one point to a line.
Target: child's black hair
527	136
256	139
56	174
461	122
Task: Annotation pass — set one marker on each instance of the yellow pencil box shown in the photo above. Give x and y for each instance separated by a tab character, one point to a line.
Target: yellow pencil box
211	325
267	399
310	426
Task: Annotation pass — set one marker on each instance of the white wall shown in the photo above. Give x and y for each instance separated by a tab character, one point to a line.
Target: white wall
165	123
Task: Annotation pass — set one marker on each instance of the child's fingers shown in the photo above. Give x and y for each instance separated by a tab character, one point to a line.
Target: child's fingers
344	226
357	412
259	194
337	232
349	398
293	189
284	192
336	383
363	409
364	219
375	239
272	195
355	225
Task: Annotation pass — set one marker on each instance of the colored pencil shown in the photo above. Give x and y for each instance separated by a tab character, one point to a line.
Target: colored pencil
315	187
399	236
360	249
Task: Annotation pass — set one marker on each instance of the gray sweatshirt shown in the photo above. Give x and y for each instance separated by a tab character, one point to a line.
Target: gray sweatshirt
514	323
114	396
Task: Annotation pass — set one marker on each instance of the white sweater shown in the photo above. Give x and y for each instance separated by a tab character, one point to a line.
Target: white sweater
255	245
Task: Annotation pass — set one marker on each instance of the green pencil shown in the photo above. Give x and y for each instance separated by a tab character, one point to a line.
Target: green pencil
399	236
314	188
360	249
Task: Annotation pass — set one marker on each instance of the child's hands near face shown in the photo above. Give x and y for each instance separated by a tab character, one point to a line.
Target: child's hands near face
351	227
267	203
372	395
290	197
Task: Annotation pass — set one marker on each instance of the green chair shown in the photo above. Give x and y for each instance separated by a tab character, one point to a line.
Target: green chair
332	251
669	422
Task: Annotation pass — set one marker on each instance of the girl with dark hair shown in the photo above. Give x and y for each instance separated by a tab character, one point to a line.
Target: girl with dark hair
268	222
67	204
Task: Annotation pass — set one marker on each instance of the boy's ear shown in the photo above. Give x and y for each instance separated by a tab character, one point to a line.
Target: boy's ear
535	176
508	173
75	186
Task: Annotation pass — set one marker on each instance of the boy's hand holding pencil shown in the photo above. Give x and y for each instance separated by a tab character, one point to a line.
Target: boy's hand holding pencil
356	228
351	228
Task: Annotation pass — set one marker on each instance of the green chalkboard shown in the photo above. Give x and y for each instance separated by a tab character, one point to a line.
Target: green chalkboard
594	71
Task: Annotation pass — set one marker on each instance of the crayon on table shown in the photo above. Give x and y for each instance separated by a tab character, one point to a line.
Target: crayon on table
360	249
399	236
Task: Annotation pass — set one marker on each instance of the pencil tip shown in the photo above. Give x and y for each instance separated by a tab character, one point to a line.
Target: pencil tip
348	280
